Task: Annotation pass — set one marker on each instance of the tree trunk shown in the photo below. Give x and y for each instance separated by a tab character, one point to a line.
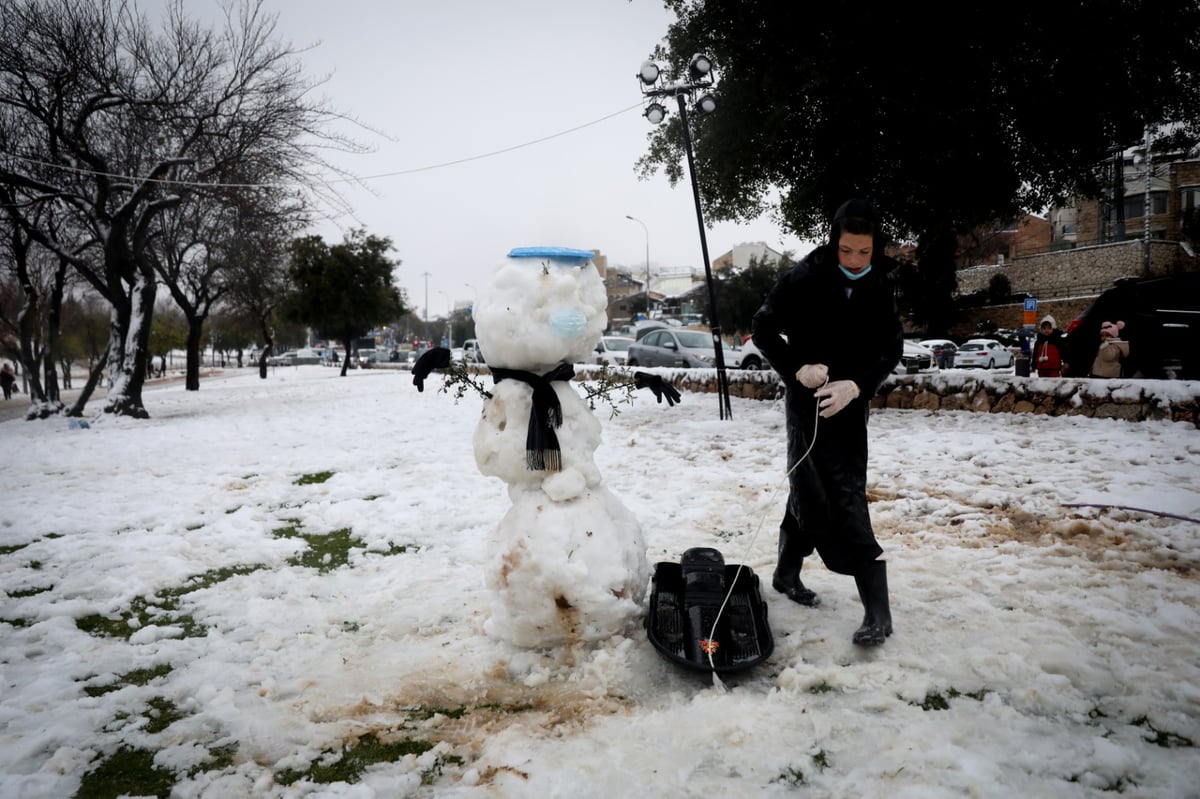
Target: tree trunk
195	330
128	355
93	380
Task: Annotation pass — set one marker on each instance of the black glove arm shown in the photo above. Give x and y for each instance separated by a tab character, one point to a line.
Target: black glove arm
436	358
656	384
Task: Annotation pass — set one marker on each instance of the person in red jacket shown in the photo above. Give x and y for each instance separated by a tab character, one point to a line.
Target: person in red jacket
831	329
1048	349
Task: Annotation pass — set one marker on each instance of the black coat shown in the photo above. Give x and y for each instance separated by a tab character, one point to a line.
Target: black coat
807	318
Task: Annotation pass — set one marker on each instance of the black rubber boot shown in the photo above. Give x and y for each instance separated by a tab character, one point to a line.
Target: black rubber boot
795	590
786	579
873	590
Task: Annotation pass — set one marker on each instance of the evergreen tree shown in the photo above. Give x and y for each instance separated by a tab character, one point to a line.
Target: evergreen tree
345	290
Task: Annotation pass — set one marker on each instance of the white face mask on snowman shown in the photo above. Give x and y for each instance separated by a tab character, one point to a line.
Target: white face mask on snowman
568	323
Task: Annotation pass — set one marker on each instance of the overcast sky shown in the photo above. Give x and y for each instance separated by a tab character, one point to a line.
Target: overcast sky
547	87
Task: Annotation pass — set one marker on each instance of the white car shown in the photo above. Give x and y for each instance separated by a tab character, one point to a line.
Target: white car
611	350
985	353
915	359
750	357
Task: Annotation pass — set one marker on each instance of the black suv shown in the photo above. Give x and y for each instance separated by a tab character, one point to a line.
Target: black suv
1162	326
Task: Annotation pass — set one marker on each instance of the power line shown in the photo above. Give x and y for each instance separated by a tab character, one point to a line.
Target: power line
398	173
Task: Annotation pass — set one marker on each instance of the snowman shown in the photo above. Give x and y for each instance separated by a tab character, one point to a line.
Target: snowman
568	561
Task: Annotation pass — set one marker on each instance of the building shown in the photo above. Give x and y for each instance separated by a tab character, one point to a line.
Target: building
675	291
1094	242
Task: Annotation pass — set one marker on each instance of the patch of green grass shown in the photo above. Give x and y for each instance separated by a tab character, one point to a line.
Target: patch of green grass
135	677
313	479
29	592
162	609
822	688
349	764
937	701
325	552
426	713
522	707
791	776
14	622
11	548
220	758
126	772
162	713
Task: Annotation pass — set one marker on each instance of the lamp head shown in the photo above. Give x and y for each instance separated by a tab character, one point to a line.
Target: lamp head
649	72
706	105
700	66
656	113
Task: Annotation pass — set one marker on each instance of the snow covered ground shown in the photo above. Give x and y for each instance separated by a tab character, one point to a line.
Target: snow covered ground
175	598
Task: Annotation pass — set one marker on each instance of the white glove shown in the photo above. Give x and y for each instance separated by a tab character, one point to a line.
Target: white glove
835	396
812	375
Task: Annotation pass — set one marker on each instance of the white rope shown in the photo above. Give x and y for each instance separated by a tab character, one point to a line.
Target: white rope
741	565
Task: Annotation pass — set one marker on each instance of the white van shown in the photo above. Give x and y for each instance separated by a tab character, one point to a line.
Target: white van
471	351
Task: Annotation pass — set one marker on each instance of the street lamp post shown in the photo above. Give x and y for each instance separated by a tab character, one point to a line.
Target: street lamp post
449	320
426	275
647	231
700	78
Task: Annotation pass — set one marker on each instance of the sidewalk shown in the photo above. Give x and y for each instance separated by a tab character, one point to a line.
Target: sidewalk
18	406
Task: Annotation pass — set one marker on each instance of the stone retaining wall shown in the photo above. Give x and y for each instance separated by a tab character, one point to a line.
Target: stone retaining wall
1174	400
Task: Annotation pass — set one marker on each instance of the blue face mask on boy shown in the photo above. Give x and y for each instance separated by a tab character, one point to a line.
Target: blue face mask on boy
852	275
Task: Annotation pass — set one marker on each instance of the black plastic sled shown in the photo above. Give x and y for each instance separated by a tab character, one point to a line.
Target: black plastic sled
685	602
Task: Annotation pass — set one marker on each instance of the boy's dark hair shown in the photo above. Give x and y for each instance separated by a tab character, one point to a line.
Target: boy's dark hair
855	216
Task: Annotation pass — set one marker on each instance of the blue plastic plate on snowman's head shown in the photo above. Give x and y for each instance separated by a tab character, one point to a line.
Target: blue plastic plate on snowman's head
578	257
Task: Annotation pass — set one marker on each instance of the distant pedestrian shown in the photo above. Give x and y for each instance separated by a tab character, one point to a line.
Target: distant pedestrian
7	378
1112	353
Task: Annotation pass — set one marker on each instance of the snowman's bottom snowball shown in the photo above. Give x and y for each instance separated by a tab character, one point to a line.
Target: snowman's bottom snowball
565	572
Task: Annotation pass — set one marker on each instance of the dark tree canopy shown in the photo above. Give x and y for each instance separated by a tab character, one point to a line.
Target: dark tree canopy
959	119
947	120
345	290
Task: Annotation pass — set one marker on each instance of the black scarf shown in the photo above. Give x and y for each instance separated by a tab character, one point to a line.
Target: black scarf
545	415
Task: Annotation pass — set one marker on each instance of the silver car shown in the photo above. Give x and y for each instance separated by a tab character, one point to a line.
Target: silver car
691	349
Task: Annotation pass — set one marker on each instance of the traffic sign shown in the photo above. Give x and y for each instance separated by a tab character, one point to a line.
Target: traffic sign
1030	303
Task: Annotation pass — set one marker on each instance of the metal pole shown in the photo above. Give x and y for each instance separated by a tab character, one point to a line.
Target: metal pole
647	230
726	410
1146	212
426	275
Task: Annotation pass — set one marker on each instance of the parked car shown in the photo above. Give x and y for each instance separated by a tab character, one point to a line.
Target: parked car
983	352
283	359
750	356
943	351
915	359
611	350
1162	326
679	347
471	352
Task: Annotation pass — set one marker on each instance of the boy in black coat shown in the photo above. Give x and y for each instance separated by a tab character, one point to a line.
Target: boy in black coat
831	329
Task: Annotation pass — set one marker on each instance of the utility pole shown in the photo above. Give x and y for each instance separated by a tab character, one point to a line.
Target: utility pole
647	231
426	274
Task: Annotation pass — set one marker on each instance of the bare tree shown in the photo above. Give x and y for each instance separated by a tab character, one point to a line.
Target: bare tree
117	124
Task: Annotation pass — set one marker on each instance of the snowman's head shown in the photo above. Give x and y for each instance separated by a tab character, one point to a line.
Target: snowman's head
544	306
